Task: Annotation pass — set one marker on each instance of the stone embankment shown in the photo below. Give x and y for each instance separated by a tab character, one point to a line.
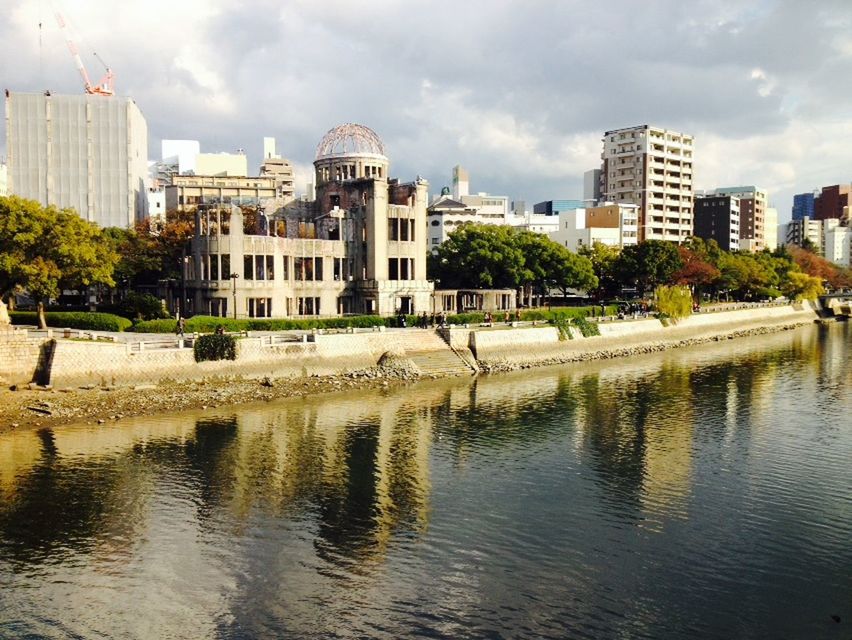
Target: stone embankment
103	380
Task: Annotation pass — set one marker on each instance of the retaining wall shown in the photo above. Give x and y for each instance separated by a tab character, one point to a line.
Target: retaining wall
19	356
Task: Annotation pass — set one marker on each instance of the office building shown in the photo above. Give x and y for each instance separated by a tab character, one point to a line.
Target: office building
187	192
281	169
836	242
221	164
803	205
798	231
653	169
615	225
770	229
592	186
86	152
831	201
718	218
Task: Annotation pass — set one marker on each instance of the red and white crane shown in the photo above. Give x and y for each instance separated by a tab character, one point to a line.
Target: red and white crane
105	86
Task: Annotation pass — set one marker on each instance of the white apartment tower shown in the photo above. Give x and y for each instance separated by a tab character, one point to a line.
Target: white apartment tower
85	152
651	168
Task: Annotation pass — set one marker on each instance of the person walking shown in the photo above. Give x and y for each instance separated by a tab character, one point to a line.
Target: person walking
181	327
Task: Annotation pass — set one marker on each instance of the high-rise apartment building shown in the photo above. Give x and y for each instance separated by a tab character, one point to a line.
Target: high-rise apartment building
753	203
653	169
86	152
592	186
798	231
718	218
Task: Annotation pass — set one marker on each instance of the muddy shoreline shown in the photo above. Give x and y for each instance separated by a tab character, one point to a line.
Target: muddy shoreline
35	408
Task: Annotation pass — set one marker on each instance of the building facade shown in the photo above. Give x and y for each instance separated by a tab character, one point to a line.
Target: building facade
85	152
457	206
753	204
718	218
592	187
651	168
221	164
3	173
274	166
836	242
803	205
831	201
770	228
187	192
359	248
615	225
805	229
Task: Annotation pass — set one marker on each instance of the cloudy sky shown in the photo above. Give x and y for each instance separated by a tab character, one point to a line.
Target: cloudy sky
518	92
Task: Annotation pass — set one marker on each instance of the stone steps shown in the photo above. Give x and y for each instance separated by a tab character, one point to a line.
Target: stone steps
432	355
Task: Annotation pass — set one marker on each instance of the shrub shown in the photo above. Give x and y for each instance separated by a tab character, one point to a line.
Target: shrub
674	302
586	328
141	306
215	347
74	320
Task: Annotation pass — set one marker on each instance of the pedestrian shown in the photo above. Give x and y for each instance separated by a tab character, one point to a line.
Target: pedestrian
424	321
181	327
506	317
517	315
220	330
432	319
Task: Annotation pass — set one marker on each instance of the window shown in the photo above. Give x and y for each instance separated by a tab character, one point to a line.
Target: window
259	307
270	274
434	240
226	265
309	306
393	228
435	223
248	267
393	269
214	267
259	271
307	268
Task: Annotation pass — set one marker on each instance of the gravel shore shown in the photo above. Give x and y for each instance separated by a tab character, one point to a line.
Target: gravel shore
32	408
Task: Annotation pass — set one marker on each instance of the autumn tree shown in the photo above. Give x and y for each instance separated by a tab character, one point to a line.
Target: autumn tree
44	250
648	264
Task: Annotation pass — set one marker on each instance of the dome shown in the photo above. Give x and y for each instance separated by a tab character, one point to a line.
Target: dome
350	139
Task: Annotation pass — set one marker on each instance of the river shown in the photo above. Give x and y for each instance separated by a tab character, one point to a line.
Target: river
698	493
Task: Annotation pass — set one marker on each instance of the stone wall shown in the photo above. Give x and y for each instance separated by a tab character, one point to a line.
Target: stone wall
19	356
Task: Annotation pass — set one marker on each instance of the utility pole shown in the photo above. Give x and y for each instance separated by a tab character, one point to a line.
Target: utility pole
234	277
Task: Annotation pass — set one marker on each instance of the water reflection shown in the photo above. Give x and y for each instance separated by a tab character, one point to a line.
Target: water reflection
279	517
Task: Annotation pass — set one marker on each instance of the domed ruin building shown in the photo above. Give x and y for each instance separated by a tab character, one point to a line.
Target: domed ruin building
358	248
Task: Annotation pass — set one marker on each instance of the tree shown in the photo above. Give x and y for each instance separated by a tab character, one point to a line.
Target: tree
801	286
44	250
695	271
648	264
490	256
603	258
478	257
819	267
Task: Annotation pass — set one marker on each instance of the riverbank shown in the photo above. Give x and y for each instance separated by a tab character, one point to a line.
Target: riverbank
285	372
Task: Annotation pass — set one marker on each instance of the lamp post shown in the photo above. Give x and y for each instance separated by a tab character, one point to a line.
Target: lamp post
233	278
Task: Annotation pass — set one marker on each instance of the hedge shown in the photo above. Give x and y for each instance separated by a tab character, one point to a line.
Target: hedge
215	347
209	324
74	320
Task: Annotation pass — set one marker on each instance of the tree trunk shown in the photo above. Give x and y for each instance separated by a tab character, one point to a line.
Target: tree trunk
11	303
42	320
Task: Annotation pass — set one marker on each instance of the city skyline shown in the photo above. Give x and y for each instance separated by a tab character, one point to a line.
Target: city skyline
520	95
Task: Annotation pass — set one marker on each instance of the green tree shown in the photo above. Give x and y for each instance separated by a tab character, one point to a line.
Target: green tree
603	258
647	264
44	250
479	257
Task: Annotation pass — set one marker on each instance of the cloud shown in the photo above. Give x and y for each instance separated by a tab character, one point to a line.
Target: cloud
520	93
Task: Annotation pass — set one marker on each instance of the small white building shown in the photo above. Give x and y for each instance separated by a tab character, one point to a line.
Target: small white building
615	225
836	242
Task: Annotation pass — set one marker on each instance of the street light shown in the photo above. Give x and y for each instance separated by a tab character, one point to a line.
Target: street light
234	277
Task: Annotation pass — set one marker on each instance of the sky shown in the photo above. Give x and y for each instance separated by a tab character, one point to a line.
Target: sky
518	92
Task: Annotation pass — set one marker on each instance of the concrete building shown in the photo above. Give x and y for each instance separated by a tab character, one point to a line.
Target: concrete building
653	169
281	169
718	218
753	203
187	192
770	228
536	222
221	164
86	152
836	242
360	247
592	186
457	206
831	201
616	225
803	205
182	153
555	207
805	229
3	178
157	204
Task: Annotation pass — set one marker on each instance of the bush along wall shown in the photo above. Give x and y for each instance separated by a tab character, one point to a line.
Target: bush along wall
74	320
215	347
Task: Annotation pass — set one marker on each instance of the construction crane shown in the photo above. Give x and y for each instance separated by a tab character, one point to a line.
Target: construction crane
105	86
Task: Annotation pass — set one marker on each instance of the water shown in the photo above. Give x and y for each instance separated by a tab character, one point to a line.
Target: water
700	493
